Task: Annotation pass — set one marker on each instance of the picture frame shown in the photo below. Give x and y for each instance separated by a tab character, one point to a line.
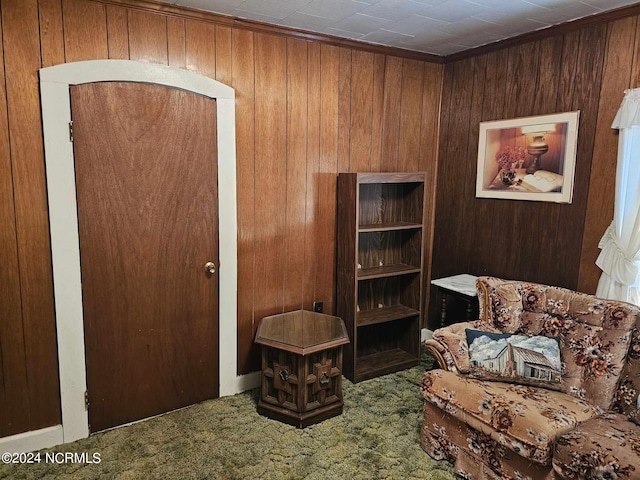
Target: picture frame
528	158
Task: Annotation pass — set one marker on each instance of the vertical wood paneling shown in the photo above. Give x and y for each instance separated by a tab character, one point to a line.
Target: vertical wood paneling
548	73
569	56
431	103
549	66
443	227
536	241
22	60
615	80
453	173
147	37
361	109
243	78
410	115
176	50
493	107
223	54
200	48
85	30
519	101
327	177
296	174
51	38
635	70
344	111
520	92
351	98
303	113
376	112
14	417
391	114
585	98
117	32
312	223
270	171
431	96
467	187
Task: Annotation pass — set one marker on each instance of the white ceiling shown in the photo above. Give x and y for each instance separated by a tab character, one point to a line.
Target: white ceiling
439	27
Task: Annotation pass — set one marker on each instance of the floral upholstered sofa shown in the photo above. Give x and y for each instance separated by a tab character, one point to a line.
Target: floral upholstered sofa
543	386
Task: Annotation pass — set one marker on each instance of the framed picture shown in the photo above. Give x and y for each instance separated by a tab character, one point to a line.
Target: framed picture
531	158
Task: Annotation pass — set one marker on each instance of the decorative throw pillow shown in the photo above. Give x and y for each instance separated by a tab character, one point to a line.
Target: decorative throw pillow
526	360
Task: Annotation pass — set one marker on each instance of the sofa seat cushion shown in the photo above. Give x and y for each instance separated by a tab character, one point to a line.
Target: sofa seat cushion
605	447
523	418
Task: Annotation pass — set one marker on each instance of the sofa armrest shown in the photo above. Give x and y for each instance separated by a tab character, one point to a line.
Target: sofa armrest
437	351
449	347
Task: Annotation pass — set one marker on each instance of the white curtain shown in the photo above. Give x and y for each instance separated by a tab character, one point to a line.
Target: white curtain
619	258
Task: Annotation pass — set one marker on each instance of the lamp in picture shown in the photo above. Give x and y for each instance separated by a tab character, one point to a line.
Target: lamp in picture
538	146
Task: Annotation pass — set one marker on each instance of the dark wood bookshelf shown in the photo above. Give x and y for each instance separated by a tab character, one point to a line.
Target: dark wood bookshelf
381	227
382	363
379	270
384	314
386	271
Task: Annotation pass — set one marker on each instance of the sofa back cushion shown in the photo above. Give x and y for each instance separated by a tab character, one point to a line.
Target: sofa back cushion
595	334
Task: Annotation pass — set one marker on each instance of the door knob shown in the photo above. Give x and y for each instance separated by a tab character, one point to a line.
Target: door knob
210	268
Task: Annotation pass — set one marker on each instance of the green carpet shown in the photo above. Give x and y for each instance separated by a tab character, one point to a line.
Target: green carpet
377	437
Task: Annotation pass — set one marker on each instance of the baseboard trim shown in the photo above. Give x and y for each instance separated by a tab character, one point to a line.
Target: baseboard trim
52	436
241	383
33	440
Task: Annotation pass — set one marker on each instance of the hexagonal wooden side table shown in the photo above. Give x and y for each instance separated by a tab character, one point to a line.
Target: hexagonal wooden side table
301	367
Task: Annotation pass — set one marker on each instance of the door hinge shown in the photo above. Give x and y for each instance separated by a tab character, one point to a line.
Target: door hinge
86	400
71	131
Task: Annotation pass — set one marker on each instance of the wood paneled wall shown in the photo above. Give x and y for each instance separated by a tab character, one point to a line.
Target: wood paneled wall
305	111
586	70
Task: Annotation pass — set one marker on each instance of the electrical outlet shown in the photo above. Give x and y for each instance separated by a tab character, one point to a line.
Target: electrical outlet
317	307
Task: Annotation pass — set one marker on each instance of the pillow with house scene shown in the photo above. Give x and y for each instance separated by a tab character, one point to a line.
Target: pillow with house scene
527	360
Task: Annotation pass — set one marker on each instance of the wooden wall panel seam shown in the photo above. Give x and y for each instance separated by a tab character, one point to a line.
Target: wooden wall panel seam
243	80
634	81
14	414
328	167
344	113
377	102
309	290
296	139
423	75
119	48
22	58
370	118
49	12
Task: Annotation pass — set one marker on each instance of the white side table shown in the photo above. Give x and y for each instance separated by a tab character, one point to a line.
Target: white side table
462	286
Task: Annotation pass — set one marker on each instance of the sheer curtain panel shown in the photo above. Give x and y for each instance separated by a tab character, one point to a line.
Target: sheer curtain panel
619	257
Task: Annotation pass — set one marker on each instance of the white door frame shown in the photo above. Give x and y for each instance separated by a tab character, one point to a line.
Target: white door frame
65	251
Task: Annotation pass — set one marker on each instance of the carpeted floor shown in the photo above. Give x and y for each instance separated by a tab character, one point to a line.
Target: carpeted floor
377	437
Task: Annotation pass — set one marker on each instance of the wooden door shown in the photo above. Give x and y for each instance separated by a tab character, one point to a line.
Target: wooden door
146	178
